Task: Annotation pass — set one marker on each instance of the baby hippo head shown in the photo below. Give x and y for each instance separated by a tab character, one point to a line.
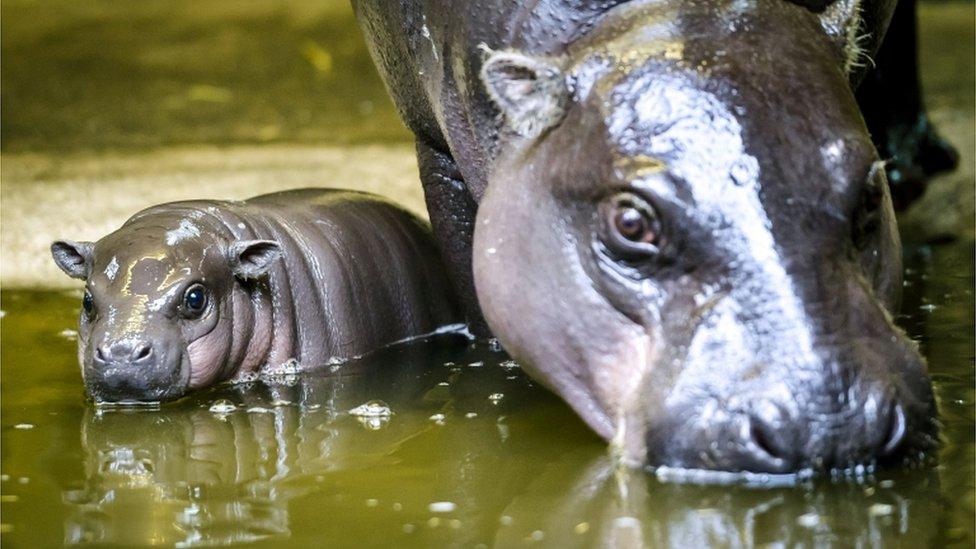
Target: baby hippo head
160	306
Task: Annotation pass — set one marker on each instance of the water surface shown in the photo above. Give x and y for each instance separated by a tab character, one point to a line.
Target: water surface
474	453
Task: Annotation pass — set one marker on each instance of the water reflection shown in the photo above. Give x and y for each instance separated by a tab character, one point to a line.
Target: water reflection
607	507
189	476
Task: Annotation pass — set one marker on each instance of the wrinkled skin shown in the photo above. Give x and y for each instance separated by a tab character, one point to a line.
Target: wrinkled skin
683	227
188	294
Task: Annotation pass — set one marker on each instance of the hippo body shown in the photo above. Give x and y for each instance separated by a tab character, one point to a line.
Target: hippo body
673	215
187	294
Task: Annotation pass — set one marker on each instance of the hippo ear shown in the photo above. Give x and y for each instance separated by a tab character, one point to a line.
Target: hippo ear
857	37
74	258
531	93
253	258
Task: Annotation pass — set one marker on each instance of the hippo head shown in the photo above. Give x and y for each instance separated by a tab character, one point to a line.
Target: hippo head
160	305
687	234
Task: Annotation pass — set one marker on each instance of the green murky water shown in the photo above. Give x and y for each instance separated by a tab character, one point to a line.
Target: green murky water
473	454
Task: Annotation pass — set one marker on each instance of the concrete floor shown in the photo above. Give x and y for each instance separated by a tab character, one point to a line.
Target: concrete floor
109	108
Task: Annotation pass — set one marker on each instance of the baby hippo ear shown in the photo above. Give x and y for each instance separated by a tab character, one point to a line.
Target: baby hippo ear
253	258
74	258
531	93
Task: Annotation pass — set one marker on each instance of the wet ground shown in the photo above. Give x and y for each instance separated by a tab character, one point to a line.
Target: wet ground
471	452
110	107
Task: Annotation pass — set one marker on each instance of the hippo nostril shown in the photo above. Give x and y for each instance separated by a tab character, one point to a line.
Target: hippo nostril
760	435
896	430
99	355
141	353
769	438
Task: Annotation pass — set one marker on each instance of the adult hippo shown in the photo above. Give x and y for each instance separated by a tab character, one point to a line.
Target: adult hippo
188	294
677	219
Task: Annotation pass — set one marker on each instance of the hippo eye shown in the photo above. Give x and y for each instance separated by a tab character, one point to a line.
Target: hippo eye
194	301
88	304
633	224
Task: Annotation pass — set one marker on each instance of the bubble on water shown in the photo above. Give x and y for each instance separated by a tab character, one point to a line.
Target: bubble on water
397	506
494	345
438	419
3	313
222	406
626	522
444	384
69	334
246	377
881	510
582	528
508	364
505	520
471	415
433	522
280	402
6	528
887	484
373	408
537	535
283	371
373	423
9	498
928	307
23	480
408	528
4	477
442	507
477	364
24	426
313	407
496	398
258	410
808	520
455	524
371	502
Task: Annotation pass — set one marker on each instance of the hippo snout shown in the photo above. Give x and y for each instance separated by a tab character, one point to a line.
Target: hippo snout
784	428
133	370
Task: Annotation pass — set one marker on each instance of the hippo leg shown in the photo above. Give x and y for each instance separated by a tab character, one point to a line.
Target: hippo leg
452	214
891	100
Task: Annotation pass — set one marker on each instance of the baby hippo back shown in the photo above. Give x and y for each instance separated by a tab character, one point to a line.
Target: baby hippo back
356	273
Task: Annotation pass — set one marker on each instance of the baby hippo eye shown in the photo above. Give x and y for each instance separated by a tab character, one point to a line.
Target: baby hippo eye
633	224
194	301
88	303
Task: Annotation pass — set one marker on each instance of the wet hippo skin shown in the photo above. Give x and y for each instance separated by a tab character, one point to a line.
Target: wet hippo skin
188	294
673	215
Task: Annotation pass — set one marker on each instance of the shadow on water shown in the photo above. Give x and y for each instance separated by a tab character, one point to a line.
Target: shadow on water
473	453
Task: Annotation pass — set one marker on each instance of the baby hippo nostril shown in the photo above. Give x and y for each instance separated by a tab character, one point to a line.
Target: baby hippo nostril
141	353
100	355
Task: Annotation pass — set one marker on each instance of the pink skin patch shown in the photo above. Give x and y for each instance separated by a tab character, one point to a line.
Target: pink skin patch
208	354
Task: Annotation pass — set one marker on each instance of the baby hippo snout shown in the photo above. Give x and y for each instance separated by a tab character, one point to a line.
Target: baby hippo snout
124	352
132	369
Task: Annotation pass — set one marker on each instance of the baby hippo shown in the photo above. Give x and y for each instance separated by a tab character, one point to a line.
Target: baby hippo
188	294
